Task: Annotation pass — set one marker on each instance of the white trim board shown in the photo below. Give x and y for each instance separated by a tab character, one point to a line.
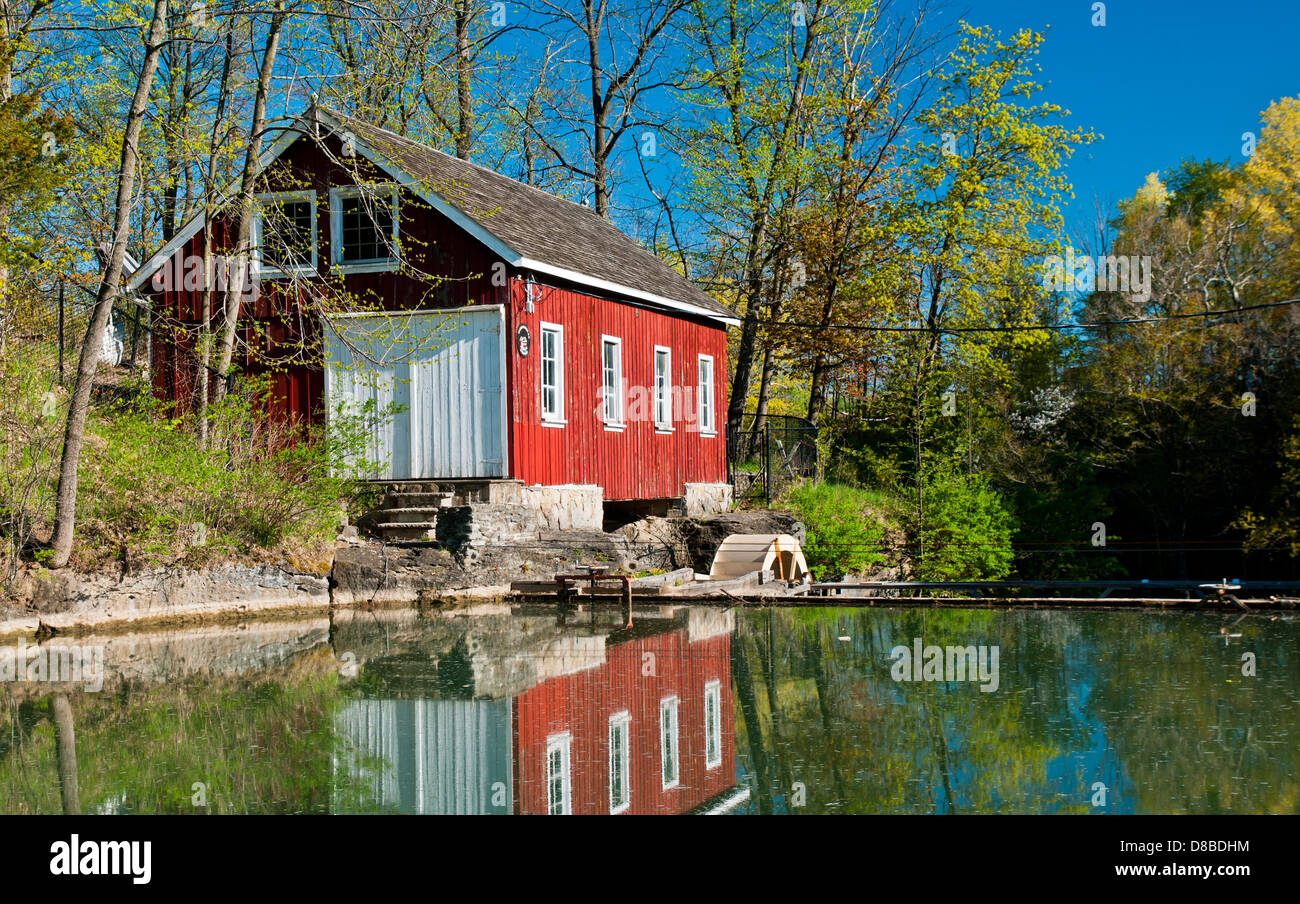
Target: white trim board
606	285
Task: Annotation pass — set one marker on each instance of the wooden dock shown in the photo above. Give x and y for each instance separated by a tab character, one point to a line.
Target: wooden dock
761	589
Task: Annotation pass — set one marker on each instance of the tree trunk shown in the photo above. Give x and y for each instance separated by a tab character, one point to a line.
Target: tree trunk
464	100
817	391
65	743
65	513
764	387
235	290
748	334
204	370
6	92
599	112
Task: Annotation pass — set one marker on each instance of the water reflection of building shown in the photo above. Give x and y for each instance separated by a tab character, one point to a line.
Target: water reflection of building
544	718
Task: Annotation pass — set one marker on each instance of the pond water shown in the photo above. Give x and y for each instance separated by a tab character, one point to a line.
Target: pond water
525	710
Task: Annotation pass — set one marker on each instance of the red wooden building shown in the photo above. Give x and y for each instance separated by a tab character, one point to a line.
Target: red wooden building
651	731
522	337
637	721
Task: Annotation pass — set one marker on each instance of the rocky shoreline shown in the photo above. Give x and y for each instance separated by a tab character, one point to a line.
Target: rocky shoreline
360	574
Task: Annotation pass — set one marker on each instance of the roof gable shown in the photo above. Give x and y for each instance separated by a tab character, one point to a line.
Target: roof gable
527	227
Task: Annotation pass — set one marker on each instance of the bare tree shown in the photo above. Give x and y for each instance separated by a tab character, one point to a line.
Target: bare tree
622	61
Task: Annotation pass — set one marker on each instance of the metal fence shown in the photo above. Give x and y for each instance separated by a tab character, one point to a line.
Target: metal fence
766	454
46	321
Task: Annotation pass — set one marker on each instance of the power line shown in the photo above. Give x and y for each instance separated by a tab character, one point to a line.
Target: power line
1092	325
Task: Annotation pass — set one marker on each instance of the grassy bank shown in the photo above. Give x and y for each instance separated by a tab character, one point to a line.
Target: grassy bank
153	492
957	529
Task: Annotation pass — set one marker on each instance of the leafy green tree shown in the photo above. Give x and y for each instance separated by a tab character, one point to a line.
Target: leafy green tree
964	531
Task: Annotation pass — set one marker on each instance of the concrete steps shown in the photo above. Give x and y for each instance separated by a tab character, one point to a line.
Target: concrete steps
406	530
409	515
409	510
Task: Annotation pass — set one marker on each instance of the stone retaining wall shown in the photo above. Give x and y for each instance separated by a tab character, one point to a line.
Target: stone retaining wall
704	499
565	507
487	546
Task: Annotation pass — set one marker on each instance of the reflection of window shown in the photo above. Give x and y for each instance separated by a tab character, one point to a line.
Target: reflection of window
712	725
552	373
620	795
663	389
284	228
706	395
611	367
364	227
668	740
557	776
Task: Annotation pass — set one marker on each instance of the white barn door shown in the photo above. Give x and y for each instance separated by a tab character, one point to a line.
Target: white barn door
444	370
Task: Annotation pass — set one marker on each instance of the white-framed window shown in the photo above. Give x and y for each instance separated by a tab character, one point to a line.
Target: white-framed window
558	787
663	408
712	725
668	741
364	223
284	234
611	381
552	341
705	396
620	772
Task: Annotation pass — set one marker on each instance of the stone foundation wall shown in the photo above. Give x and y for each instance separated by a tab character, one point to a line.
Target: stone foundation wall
566	507
704	499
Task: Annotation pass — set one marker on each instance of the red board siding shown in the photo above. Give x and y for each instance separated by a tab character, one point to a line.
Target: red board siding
582	703
637	462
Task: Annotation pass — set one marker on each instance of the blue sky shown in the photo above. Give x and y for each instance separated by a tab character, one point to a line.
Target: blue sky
1162	80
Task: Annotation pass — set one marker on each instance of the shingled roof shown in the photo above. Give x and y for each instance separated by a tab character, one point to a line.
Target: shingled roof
529	228
543	232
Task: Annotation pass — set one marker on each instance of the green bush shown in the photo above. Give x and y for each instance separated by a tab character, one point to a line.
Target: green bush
964	531
844	527
151	490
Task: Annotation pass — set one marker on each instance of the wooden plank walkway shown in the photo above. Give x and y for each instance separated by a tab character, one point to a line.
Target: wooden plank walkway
1197	596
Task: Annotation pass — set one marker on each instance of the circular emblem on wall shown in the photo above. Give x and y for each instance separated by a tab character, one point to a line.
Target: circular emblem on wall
523	340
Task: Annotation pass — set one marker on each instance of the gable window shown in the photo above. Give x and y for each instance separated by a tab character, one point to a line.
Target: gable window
663	388
364	228
284	234
558	802
620	794
668	741
712	725
552	374
705	396
611	367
